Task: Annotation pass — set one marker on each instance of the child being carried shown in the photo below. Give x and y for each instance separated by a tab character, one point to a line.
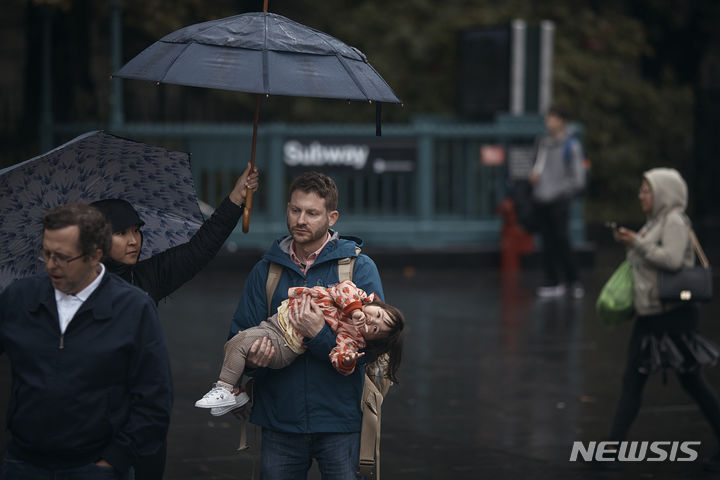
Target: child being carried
361	324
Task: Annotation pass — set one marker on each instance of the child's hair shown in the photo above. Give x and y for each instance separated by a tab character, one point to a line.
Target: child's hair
392	344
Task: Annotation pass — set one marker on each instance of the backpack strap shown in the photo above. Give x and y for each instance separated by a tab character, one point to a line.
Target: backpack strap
571	142
369	464
375	388
567	150
345	272
274	273
243	414
346	266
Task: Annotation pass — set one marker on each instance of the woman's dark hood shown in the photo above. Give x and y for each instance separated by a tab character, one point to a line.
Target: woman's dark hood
123	270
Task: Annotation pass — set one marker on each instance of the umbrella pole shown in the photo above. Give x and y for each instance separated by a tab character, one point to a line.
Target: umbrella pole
249	193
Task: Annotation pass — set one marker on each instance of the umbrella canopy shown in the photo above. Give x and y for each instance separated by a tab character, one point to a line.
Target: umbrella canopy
261	53
94	166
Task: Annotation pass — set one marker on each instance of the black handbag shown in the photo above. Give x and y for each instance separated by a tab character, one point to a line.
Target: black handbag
689	284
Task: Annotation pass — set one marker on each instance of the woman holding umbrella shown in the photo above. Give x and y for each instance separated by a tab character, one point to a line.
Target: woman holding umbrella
165	272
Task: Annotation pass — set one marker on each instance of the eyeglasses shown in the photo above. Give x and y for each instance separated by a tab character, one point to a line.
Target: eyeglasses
644	191
60	260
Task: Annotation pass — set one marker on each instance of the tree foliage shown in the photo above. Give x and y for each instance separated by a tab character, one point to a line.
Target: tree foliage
628	69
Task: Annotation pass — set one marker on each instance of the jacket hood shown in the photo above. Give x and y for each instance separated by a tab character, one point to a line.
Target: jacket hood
339	246
123	270
669	190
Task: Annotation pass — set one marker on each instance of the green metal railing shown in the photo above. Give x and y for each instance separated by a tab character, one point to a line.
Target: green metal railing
425	184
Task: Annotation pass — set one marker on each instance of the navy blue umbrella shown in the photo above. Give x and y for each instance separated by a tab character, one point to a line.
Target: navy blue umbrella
265	54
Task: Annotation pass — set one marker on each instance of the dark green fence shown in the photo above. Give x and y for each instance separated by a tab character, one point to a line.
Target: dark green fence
427	184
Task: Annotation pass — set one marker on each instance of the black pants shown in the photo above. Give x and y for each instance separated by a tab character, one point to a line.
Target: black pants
151	467
633	382
558	257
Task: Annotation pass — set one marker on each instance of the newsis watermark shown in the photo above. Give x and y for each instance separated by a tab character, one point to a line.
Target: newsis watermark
635	451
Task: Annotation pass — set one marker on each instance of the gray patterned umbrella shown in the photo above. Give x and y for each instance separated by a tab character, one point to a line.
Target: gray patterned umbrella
94	166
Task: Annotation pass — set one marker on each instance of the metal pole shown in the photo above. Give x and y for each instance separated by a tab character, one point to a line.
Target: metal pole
117	117
46	116
517	68
425	192
547	45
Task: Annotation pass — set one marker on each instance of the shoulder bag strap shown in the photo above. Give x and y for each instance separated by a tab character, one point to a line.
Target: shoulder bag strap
698	249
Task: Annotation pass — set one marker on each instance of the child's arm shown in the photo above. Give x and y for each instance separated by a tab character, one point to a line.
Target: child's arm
345	354
357	318
350	358
347	297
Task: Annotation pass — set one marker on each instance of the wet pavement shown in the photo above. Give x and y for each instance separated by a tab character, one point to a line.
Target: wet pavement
494	383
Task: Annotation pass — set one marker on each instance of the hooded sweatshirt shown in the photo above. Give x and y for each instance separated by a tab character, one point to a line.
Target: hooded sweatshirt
559	168
663	242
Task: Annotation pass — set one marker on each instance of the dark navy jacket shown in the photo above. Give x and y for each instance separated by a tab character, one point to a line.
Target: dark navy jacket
309	396
103	389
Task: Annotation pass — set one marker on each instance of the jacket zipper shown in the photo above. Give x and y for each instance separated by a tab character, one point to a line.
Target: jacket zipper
307	413
62	341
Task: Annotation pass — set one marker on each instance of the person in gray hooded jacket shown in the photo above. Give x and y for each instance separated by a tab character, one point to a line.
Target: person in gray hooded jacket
665	336
557	177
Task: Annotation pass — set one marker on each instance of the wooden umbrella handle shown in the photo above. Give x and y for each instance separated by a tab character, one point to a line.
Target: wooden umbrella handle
246	211
249	193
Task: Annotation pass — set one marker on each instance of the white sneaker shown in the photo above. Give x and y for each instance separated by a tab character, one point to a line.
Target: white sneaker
552	291
577	290
241	398
217	397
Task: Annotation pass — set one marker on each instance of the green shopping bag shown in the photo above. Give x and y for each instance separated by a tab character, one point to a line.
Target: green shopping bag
615	302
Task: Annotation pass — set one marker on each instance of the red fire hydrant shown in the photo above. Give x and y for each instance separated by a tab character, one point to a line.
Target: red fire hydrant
514	240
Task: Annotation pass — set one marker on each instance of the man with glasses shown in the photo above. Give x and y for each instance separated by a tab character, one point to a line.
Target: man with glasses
91	384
